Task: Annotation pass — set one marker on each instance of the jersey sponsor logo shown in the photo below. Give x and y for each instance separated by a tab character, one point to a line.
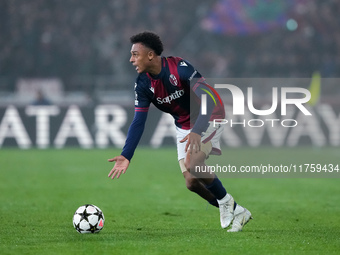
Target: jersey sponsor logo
171	97
173	80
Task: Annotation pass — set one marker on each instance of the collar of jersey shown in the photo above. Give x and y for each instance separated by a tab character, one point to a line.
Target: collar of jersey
158	76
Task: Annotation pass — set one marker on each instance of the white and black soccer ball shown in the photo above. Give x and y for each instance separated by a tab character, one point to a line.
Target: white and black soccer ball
88	219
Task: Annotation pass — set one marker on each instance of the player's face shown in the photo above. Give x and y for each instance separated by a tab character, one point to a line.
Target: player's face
140	57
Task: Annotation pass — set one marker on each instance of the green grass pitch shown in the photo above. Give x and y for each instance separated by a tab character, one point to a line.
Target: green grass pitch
149	211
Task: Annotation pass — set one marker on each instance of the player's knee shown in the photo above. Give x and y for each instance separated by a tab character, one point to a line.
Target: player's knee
192	164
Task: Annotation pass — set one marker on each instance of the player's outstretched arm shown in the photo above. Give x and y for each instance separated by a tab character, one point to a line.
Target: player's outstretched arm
120	166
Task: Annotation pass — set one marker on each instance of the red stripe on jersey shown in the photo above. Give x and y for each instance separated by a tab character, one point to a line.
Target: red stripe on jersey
199	83
141	109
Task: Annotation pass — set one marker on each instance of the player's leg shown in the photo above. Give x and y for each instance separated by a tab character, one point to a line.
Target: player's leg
196	186
210	185
196	161
196	164
193	184
241	214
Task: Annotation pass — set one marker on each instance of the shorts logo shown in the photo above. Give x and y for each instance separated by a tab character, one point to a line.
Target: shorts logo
173	80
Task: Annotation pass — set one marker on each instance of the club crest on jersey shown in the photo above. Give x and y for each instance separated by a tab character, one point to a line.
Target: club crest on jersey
173	80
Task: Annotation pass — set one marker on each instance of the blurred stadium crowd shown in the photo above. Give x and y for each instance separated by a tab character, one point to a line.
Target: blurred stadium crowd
78	39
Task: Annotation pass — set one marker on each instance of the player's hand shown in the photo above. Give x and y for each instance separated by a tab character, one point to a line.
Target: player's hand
193	142
120	166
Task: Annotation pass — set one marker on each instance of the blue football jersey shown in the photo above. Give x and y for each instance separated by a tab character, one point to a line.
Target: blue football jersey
172	91
176	90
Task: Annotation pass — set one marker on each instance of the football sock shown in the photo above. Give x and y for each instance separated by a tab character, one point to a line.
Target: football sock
217	189
214	202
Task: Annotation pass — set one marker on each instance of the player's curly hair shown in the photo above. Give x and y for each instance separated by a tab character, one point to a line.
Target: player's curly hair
150	40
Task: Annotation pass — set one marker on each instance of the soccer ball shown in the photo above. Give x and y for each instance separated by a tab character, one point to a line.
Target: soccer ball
88	219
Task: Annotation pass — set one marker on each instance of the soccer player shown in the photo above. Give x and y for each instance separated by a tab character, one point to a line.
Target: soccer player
174	86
